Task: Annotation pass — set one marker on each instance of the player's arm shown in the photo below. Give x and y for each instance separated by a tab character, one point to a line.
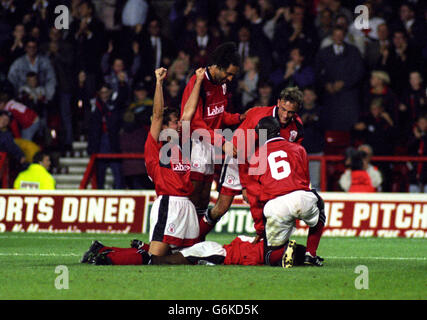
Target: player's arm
159	104
192	102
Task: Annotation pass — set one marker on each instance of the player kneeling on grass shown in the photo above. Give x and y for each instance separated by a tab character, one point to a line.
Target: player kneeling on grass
173	219
279	192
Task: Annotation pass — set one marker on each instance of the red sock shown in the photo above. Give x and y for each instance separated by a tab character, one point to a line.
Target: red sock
204	228
313	239
125	256
276	256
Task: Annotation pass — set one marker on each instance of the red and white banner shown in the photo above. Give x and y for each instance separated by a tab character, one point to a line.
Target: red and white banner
351	214
72	211
95	211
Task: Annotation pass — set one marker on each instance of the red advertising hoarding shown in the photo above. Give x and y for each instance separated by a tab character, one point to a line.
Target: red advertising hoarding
72	211
93	211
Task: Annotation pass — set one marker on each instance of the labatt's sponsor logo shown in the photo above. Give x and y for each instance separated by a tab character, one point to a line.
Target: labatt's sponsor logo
213	111
179	167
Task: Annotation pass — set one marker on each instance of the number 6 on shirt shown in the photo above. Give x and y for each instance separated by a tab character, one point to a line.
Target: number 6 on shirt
276	165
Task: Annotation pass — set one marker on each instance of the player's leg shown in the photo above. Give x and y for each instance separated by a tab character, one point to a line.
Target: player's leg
279	221
102	255
311	211
229	187
159	248
315	231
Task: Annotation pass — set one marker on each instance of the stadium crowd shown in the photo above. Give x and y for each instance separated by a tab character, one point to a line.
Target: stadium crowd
96	78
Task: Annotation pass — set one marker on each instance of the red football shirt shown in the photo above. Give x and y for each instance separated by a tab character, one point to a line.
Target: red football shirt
292	132
210	112
172	178
240	252
285	170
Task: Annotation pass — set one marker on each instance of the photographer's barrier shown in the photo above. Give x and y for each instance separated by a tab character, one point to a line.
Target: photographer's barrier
96	211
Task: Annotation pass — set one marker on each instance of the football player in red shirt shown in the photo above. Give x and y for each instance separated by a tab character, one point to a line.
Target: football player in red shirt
210	115
279	192
241	251
173	219
233	175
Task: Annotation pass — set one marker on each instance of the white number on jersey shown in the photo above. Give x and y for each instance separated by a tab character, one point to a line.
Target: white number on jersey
276	164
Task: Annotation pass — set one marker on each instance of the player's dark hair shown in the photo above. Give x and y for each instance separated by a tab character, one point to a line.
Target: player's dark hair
225	55
293	95
271	124
38	157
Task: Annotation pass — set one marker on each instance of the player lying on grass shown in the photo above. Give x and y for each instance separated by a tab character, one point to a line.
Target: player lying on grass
279	192
241	251
233	176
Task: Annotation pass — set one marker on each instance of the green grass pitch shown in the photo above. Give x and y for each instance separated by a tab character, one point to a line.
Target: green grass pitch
396	269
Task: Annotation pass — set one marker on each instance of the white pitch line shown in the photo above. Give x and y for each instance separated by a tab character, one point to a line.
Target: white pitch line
41	254
89	237
377	258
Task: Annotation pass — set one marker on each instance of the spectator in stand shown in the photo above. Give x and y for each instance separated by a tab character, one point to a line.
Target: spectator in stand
15	47
25	122
252	13
136	124
37	175
34	95
349	38
295	32
35	62
375	49
418	147
61	55
374	174
338	9
225	29
313	133
86	34
339	71
415	27
182	17
296	73
247	86
173	93
376	129
201	44
379	89
180	68
356	178
399	60
413	102
6	139
265	96
118	71
247	45
104	128
324	23
156	49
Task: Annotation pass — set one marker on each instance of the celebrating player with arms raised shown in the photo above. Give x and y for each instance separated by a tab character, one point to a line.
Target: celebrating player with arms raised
209	115
234	174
